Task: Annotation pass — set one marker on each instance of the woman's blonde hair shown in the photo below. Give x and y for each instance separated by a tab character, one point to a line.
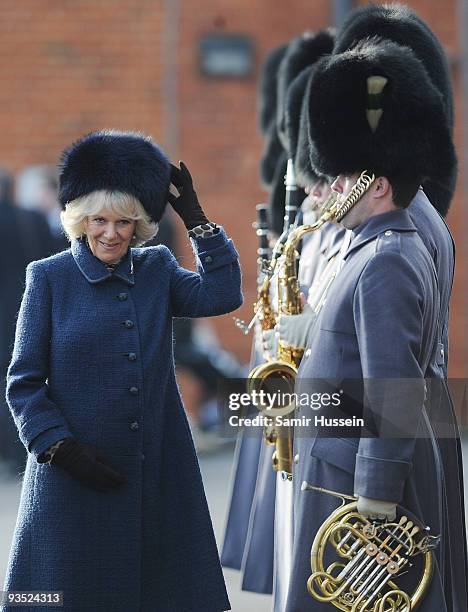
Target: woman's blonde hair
75	213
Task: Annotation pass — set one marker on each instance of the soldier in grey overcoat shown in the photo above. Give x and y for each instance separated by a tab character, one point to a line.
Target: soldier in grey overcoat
238	535
381	316
302	52
112	510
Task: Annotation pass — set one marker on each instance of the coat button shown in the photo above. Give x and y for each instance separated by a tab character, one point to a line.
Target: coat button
208	259
134	390
296	458
142	457
134	426
122	297
388	233
129	324
307	353
131	356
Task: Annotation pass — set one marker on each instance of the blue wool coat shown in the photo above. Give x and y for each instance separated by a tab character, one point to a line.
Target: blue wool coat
93	359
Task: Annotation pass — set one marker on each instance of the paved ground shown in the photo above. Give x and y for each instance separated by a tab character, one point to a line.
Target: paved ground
216	470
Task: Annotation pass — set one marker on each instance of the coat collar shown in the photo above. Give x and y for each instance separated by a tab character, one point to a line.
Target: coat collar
94	270
332	247
395	220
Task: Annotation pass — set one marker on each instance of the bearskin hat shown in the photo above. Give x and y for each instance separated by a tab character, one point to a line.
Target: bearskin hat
375	108
272	150
276	202
301	52
116	161
296	128
401	25
266	98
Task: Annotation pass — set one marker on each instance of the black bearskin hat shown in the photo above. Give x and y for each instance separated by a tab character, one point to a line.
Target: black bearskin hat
375	108
401	25
6	187
116	161
301	52
272	150
277	198
296	128
266	98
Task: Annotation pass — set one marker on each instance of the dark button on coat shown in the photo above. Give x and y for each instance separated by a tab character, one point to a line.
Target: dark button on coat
148	546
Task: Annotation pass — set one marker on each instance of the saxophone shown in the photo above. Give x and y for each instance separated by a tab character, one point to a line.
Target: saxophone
281	373
263	310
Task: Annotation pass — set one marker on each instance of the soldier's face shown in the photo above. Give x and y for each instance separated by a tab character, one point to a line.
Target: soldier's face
320	191
109	235
317	195
361	211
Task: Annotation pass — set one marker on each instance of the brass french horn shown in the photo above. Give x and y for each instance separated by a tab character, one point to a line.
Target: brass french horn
371	555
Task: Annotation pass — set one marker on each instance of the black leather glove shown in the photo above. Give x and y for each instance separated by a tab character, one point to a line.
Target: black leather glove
186	205
84	463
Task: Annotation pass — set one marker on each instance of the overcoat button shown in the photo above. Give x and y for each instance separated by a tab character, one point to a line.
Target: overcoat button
129	324
132	356
296	458
208	259
134	426
142	457
122	297
307	353
134	390
388	233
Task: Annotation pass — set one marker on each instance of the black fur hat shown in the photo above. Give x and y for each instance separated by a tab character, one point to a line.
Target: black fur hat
266	98
296	128
116	161
302	52
277	198
272	150
397	132
401	25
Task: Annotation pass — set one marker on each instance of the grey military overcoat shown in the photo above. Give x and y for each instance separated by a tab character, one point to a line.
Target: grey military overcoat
380	321
249	535
248	538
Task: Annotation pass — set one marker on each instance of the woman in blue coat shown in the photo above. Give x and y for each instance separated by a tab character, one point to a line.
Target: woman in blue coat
112	511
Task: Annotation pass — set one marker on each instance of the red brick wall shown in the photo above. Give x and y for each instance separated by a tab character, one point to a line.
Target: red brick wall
218	134
70	66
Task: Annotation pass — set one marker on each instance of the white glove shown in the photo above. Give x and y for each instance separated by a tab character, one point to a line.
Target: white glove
376	508
294	329
270	344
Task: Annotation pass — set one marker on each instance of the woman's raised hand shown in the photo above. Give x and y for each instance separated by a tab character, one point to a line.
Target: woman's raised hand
186	204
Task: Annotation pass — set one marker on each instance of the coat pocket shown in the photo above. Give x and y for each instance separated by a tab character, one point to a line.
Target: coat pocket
118	439
340	452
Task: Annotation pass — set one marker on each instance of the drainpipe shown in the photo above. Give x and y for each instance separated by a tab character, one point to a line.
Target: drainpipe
170	74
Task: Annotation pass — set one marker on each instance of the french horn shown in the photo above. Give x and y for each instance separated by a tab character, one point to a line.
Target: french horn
370	556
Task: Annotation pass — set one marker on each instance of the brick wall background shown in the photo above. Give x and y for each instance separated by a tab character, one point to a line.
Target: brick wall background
71	66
